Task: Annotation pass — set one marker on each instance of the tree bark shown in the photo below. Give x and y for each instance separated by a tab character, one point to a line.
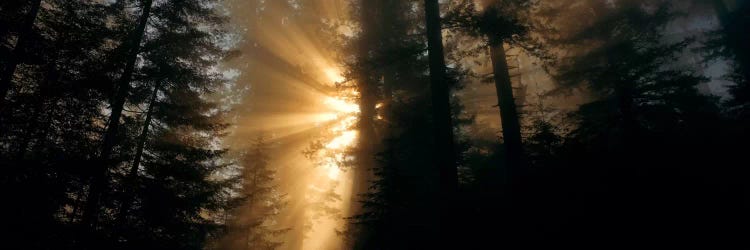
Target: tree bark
110	136
6	77
443	123
508	110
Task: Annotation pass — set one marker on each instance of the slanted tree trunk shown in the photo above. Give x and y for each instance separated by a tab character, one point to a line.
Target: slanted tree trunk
445	158
130	181
6	76
109	141
508	110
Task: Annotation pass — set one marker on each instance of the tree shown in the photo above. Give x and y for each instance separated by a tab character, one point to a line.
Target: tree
730	42
109	139
51	115
56	113
17	53
445	158
367	84
254	223
501	24
175	175
500	28
641	135
140	146
622	59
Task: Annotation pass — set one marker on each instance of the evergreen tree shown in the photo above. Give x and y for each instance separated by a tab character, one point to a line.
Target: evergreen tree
181	158
500	24
50	115
57	107
730	42
254	223
629	142
623	59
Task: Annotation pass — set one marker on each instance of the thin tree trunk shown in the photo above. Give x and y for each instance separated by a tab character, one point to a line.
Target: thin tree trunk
110	136
508	110
6	77
445	157
133	173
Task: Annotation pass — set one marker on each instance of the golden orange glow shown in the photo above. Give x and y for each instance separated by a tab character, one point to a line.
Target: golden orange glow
340	117
324	117
332	169
291	72
333	75
344	124
343	141
341	105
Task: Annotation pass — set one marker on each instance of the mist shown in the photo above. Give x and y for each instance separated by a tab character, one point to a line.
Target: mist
374	124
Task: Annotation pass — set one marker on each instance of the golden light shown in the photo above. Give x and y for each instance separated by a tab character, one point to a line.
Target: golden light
344	124
324	117
343	141
333	170
333	75
341	105
298	110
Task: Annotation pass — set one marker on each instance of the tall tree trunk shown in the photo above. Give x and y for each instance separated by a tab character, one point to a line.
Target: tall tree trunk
387	37
110	136
133	173
6	76
443	123
366	85
508	110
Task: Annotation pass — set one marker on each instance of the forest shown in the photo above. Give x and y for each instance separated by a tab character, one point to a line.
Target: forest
374	124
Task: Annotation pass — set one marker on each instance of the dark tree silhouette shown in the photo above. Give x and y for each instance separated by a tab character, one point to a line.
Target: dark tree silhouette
113	117
445	158
252	223
109	140
17	53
